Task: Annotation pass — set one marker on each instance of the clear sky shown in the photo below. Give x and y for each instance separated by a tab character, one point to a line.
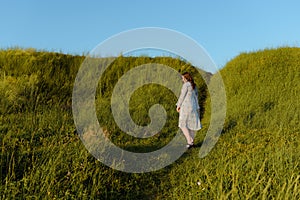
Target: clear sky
224	28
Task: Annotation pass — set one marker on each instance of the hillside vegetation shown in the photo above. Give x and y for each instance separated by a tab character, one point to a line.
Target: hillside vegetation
263	89
41	153
256	157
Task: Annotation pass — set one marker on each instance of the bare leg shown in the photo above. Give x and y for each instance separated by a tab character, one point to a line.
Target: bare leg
192	134
187	135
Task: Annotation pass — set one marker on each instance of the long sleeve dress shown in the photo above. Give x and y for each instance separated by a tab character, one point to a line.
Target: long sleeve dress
189	106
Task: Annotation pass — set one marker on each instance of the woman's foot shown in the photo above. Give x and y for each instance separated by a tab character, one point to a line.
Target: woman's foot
189	146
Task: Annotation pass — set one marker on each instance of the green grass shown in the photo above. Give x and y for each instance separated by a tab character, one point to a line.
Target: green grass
256	157
263	89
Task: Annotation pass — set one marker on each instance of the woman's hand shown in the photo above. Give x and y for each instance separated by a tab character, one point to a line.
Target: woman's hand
178	109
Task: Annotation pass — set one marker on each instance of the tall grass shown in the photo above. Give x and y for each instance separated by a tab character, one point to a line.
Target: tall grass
263	88
256	157
41	154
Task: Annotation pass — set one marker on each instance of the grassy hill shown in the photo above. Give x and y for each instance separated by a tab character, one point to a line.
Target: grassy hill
263	89
256	157
41	153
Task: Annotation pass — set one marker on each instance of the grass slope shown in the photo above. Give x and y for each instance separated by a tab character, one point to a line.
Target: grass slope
263	89
256	157
41	153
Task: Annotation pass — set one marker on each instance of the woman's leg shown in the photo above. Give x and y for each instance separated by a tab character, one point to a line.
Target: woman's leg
192	134
187	135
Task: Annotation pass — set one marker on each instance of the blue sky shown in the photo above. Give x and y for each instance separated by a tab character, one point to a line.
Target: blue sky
223	28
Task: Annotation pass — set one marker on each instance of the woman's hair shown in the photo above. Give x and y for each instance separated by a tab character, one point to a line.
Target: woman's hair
189	78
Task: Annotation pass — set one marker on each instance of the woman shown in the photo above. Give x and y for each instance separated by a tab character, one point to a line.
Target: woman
188	108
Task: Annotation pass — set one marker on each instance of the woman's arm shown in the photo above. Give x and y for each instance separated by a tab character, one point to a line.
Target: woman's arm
183	93
196	97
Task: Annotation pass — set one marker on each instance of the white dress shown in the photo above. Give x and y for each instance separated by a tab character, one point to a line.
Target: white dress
189	107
